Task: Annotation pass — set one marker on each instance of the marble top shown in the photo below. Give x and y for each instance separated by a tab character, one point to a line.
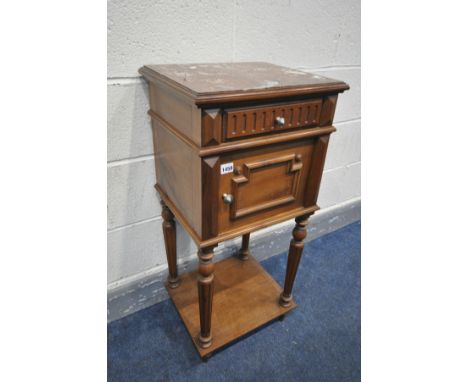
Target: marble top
235	77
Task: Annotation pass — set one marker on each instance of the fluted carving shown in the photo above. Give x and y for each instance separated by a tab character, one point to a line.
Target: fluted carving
205	294
169	231
294	257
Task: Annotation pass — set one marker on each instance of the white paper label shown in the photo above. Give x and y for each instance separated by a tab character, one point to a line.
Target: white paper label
226	168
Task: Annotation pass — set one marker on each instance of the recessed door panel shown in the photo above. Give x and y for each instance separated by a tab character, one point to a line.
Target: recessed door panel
263	183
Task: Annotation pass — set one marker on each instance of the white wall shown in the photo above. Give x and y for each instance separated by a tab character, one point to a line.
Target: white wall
312	35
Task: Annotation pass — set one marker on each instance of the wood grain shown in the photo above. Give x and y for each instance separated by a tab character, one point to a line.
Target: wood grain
210	174
278	218
205	294
328	110
177	110
179	174
316	170
211	127
264	141
169	231
245	298
294	257
211	116
205	151
248	121
270	181
280	173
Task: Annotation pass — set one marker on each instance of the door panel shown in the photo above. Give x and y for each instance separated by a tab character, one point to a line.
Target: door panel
263	183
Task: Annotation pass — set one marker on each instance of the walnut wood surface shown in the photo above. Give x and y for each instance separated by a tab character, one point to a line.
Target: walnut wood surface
205	294
328	110
245	298
207	116
278	218
177	110
212	120
316	170
178	171
264	140
294	257
269	181
169	231
248	121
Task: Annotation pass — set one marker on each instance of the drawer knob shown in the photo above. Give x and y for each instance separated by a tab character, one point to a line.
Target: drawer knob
280	121
228	198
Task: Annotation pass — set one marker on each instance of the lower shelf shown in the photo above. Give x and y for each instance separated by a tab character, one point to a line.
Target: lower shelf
245	298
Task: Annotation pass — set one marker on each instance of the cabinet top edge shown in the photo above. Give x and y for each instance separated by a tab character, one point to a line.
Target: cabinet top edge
225	82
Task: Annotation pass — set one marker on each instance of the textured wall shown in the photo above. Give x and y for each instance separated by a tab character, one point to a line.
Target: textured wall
311	35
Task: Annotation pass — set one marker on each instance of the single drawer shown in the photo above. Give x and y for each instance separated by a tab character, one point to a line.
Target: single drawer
259	184
249	121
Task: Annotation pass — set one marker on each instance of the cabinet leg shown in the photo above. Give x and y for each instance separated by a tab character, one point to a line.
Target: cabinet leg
169	230
244	252
295	251
205	294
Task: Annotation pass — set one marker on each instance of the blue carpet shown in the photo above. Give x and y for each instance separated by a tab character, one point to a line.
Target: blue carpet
317	341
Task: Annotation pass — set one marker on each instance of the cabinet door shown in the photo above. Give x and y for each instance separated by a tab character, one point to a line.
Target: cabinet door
252	186
261	183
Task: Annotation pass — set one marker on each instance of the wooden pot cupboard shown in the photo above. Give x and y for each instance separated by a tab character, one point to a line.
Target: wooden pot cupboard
238	147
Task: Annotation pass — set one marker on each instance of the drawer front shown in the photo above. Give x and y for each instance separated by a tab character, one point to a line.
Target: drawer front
250	121
261	183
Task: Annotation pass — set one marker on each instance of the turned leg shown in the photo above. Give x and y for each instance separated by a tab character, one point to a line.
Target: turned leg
295	251
205	294
244	251
169	230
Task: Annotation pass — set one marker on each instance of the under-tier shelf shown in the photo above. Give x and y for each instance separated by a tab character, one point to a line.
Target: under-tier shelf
245	298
